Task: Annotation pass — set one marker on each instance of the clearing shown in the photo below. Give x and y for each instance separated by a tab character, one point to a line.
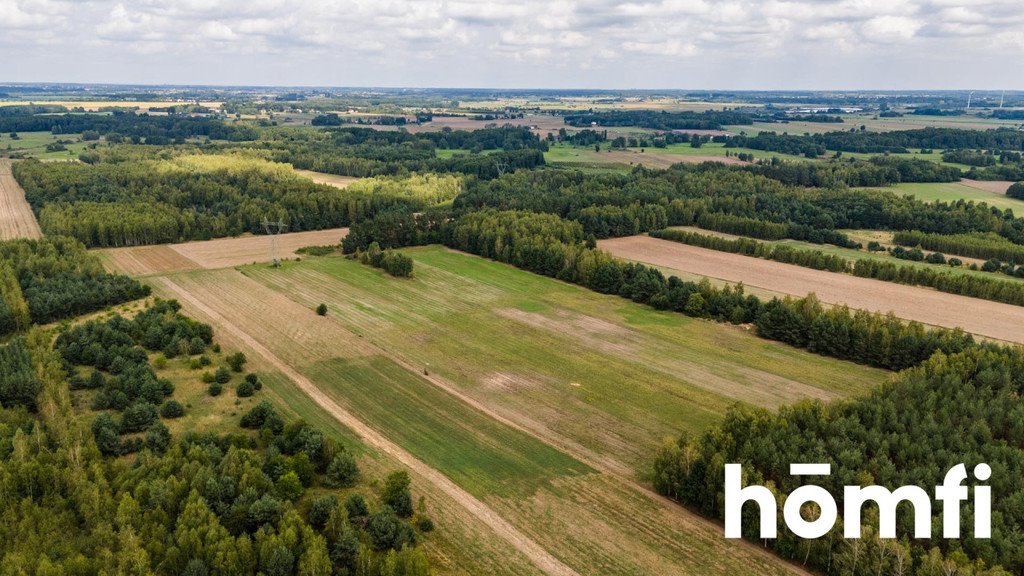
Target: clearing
329	179
980	317
212	254
16	217
992	193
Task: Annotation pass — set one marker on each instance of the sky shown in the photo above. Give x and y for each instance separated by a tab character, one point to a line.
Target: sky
688	44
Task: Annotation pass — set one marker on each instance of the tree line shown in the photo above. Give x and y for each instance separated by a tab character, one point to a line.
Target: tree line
975	245
140	128
660	120
972	285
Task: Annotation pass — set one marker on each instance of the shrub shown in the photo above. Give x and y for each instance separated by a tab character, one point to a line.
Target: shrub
245	389
289	487
321	310
215	389
222	376
396	493
172	409
343	472
425	524
1016	191
208	377
236	361
160	362
137	417
255	381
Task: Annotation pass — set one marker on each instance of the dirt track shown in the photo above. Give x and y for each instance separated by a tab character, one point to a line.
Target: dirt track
212	254
980	317
16	217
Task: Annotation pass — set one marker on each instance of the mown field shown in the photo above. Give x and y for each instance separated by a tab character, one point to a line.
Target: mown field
964	190
33	144
541	399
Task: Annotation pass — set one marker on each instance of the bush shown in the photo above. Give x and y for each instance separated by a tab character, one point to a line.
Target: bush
255	381
289	487
215	389
236	361
208	377
343	472
160	362
321	310
396	493
222	376
245	389
137	417
172	409
1016	191
356	506
425	524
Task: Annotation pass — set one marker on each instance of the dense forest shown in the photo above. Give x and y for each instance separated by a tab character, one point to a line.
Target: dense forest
54	278
197	197
898	141
137	128
708	120
953	408
272	498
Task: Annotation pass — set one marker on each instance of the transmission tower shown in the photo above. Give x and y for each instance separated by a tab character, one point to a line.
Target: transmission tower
274	229
969	96
502	168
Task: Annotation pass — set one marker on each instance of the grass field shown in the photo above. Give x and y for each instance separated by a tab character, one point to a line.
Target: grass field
953	191
33	144
513	385
558	359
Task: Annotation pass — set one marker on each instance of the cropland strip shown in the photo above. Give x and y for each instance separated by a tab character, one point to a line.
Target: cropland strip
548	563
16	217
980	317
213	254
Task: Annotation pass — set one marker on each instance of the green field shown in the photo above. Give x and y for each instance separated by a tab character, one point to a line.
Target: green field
611	377
34	144
558	396
953	191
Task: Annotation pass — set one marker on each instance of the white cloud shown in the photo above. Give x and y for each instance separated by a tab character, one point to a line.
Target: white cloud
438	42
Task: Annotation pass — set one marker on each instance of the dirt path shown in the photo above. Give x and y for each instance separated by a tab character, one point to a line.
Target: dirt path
16	217
538	555
980	317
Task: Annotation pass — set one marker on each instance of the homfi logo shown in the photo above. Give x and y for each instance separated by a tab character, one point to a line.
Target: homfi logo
950	493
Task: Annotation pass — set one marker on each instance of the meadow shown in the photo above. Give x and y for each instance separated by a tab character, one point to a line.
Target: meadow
540	399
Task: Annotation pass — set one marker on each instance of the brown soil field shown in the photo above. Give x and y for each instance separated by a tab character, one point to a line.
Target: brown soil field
980	317
995	186
212	254
329	179
16	217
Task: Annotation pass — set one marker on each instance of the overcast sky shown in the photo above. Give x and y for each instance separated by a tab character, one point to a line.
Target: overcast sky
800	44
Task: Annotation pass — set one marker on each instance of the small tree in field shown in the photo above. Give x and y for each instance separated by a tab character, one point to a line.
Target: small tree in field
321	310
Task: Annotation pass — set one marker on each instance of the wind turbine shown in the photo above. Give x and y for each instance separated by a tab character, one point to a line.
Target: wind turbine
969	100
1001	96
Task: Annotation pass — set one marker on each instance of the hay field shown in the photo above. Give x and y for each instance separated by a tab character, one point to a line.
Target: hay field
329	179
16	217
212	254
469	417
980	317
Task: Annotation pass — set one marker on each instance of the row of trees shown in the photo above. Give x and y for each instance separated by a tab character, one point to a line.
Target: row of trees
951	409
394	263
660	120
780	253
140	127
977	245
897	141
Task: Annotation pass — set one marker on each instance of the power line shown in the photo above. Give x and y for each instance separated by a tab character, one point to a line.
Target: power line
274	230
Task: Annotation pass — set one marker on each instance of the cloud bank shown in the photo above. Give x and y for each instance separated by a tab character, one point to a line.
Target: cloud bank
773	44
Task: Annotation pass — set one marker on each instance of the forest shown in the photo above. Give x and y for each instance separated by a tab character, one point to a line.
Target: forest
45	280
709	120
952	408
896	142
272	498
138	128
